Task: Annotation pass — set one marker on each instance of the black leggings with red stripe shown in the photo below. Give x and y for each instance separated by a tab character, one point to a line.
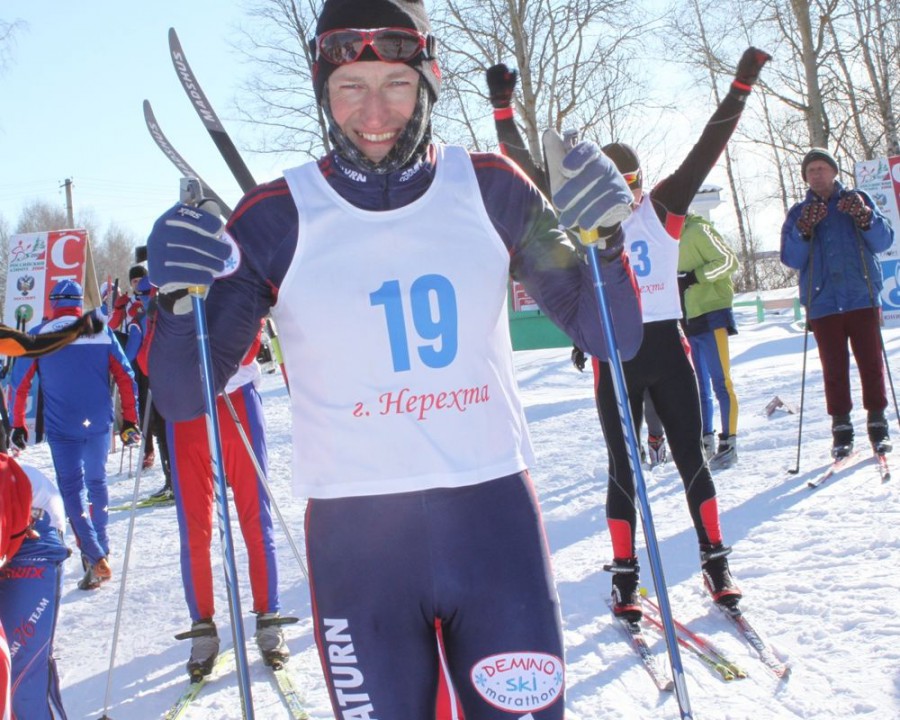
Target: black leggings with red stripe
661	368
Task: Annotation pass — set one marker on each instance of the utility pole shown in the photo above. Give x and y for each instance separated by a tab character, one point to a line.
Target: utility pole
70	213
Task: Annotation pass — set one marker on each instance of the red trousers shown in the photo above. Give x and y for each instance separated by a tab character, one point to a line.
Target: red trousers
861	329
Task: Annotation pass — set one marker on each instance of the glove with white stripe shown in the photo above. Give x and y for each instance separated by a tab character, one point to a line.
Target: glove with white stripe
185	249
588	190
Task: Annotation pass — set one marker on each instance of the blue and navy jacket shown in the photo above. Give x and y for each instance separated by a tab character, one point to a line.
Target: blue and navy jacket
838	268
264	226
75	384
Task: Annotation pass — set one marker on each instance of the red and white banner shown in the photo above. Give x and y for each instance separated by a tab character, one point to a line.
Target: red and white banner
880	178
37	261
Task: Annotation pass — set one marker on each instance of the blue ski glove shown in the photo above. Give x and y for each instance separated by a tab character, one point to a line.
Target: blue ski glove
588	190
185	248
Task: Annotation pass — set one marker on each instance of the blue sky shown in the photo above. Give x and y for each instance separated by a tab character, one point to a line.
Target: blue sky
72	98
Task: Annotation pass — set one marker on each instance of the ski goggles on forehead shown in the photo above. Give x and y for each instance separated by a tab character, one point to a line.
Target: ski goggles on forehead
392	45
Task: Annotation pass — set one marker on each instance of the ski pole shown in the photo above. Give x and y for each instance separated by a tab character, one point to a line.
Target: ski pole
190	193
589	239
656	568
876	308
796	469
125	559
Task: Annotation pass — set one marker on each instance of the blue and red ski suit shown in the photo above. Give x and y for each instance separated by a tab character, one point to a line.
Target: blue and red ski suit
78	416
192	483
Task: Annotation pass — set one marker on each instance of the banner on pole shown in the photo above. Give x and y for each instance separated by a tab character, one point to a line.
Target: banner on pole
37	261
880	178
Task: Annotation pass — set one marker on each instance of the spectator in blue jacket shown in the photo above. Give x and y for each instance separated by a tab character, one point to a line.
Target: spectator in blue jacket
832	238
78	416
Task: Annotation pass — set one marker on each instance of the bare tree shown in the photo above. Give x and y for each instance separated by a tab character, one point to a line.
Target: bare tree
575	62
279	96
40	216
8	31
114	253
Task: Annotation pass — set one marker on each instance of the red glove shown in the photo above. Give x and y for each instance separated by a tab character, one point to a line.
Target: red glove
852	203
810	216
121	302
748	68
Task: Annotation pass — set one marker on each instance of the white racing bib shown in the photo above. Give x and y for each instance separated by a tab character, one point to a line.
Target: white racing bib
396	341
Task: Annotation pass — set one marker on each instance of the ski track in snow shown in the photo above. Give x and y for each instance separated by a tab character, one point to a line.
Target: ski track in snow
820	569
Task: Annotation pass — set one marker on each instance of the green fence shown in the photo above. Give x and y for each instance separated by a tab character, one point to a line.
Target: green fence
774	304
532	330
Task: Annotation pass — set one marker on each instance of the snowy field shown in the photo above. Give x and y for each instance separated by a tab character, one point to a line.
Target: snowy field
820	569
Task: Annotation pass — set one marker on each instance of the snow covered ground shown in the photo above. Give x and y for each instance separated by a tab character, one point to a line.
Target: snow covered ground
820	569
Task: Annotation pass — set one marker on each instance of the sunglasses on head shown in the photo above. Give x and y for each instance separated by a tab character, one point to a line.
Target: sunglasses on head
393	45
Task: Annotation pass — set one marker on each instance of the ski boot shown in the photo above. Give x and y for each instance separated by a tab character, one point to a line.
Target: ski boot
626	595
204	648
270	639
94	575
164	494
717	577
709	446
726	456
877	426
656	449
842	436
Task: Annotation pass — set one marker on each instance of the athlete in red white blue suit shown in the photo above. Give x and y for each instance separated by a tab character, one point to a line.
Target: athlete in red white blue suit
386	266
193	486
78	415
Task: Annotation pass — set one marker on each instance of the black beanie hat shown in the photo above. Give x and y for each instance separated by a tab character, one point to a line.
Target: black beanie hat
370	14
626	161
137	271
817	154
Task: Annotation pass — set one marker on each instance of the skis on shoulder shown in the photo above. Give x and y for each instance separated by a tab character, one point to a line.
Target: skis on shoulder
208	116
763	648
698	645
653	664
181	705
837	466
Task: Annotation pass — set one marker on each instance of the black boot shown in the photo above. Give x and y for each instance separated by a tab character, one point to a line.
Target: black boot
877	425
842	436
626	596
717	576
